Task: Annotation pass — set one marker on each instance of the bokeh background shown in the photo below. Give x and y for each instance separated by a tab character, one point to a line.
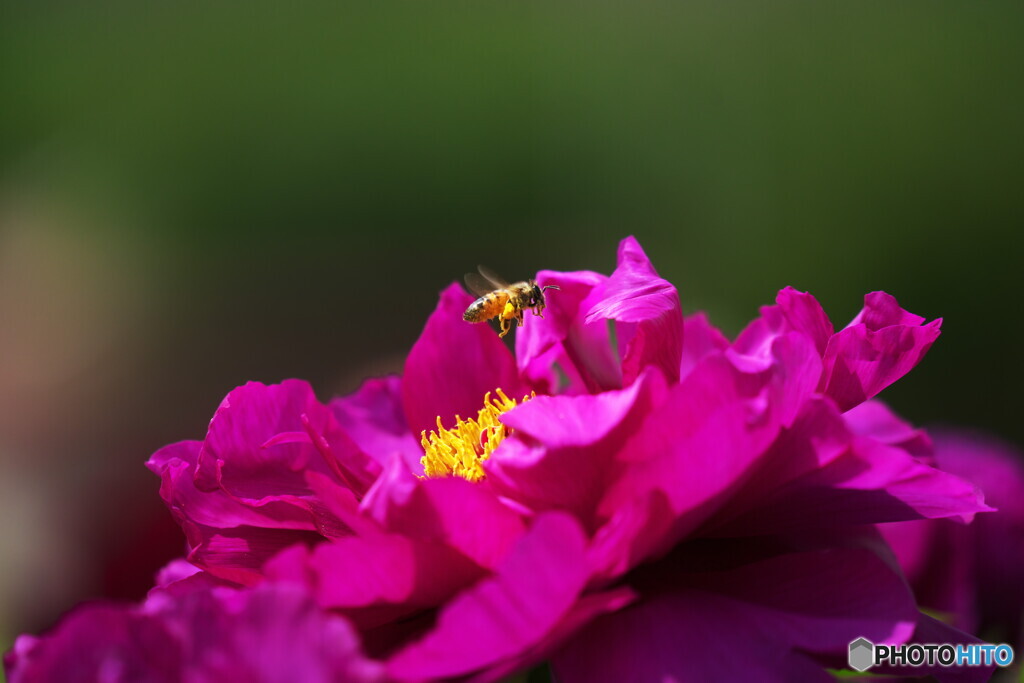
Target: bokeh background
193	195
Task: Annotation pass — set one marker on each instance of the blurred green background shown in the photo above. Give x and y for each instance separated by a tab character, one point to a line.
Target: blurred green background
193	195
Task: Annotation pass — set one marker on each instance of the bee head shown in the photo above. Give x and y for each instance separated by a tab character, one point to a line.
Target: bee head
537	293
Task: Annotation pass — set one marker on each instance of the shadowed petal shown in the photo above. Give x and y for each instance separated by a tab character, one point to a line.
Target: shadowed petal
532	590
763	621
869	483
375	419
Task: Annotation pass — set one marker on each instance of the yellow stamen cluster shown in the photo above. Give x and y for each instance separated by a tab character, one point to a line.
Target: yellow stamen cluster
460	451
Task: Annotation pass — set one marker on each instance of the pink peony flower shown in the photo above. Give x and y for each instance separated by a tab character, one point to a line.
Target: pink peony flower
192	629
662	503
971	574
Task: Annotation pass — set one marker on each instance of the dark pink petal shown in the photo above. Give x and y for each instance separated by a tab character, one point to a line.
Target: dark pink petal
376	571
647	310
803	313
929	630
882	310
236	456
793	311
216	509
763	621
352	468
507	613
585	610
561	453
375	419
700	338
174	571
583	351
870	483
816	438
453	365
238	554
98	643
702	441
875	419
451	511
971	573
270	633
882	344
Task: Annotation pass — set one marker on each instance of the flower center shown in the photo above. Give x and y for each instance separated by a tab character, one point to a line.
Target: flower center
461	451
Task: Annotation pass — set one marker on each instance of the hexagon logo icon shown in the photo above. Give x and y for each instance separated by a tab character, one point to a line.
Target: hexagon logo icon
862	654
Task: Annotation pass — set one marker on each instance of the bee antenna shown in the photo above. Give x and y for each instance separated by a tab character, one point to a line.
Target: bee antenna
547	287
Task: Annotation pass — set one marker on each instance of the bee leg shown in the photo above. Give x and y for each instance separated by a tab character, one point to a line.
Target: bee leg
505	327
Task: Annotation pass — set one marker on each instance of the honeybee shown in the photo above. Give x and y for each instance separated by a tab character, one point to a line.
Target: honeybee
499	299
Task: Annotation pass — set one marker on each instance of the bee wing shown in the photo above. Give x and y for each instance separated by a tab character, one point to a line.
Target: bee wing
486	282
496	280
478	285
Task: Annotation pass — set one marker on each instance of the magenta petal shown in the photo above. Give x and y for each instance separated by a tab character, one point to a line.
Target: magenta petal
375	419
98	643
216	509
233	456
794	311
700	338
376	571
929	630
763	621
875	419
647	309
511	611
882	310
560	456
272	632
451	511
817	437
583	351
713	427
882	344
803	313
453	365
870	483
585	610
238	554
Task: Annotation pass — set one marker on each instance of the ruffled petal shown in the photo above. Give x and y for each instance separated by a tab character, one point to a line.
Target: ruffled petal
375	419
562	449
451	511
875	419
700	339
507	613
582	351
871	482
647	311
98	643
769	621
243	453
882	344
376	578
705	439
273	632
453	365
